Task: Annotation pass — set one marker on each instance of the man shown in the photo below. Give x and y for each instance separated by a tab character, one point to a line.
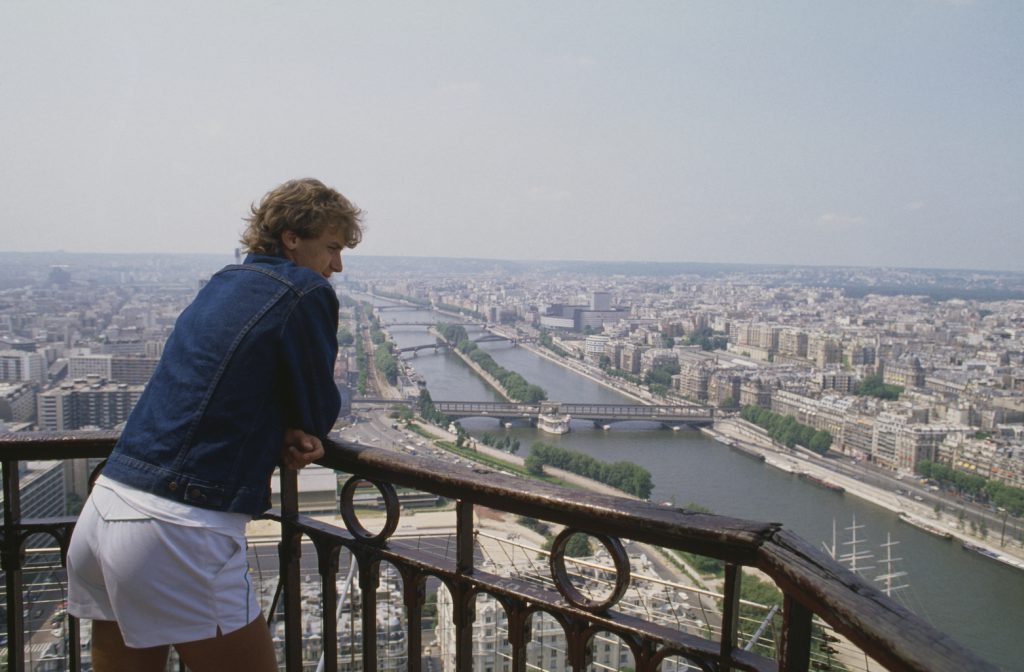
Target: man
245	384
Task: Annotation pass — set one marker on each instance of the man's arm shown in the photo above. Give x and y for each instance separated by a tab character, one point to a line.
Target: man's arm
310	349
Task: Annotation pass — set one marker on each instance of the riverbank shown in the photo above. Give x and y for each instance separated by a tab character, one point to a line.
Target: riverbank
486	377
910	511
746	438
581	369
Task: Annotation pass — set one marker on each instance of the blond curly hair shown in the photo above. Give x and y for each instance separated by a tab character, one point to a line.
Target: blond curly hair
309	208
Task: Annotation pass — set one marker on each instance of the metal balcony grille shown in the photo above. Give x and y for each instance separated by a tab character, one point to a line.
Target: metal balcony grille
597	611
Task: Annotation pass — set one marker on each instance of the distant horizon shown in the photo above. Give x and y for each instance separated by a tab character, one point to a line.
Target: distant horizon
349	256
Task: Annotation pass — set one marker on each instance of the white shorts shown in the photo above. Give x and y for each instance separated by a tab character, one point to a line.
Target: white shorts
163	583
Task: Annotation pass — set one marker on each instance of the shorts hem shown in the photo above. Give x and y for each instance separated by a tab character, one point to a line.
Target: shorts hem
196	633
89	612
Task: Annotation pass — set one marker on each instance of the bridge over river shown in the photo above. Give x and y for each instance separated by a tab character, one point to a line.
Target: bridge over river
600	414
487	337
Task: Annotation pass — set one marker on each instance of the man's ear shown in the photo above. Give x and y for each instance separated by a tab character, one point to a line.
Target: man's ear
289	239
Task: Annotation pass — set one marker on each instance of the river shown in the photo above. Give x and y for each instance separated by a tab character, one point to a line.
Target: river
977	601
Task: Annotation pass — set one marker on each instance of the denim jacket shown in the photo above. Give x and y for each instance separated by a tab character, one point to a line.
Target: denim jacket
251	356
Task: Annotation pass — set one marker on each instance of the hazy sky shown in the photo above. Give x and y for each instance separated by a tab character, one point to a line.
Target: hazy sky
855	132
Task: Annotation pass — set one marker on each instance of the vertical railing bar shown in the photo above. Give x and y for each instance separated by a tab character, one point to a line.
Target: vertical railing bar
290	554
730	615
74	644
327	559
11	563
795	646
576	646
414	587
463	615
463	612
278	591
464	537
518	635
369	580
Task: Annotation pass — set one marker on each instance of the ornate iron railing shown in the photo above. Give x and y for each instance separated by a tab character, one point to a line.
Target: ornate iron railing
811	582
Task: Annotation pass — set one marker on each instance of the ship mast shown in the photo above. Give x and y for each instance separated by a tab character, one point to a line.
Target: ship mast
853	556
889	575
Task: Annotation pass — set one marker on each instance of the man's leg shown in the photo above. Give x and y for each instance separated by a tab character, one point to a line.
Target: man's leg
248	649
109	653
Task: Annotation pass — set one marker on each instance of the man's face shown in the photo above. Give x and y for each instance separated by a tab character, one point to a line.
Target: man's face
321	254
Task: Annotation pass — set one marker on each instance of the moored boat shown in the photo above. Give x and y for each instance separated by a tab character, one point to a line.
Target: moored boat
981	550
553	424
834	487
923	525
740	448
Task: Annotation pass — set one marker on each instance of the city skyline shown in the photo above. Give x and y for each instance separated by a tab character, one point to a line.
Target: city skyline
823	134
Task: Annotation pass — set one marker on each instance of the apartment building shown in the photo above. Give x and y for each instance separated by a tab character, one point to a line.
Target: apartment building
17	402
92	402
845	382
655	357
859	354
132	370
595	346
824	350
723	387
756	392
629	359
906	373
20	366
693	379
992	459
42	494
900	444
793	343
82	365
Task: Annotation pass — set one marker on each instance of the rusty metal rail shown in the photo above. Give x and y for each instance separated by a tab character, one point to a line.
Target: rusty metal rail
812	583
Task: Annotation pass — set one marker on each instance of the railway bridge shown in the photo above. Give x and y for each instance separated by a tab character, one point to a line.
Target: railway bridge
672	416
486	338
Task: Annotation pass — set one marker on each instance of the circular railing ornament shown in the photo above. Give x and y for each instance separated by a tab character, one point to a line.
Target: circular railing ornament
564	583
348	514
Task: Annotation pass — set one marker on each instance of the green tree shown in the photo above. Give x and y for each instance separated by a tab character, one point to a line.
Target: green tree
873	386
786	430
625	476
534	465
578	546
707	339
662	374
386	363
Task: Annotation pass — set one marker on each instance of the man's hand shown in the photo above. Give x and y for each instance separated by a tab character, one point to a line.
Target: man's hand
300	449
